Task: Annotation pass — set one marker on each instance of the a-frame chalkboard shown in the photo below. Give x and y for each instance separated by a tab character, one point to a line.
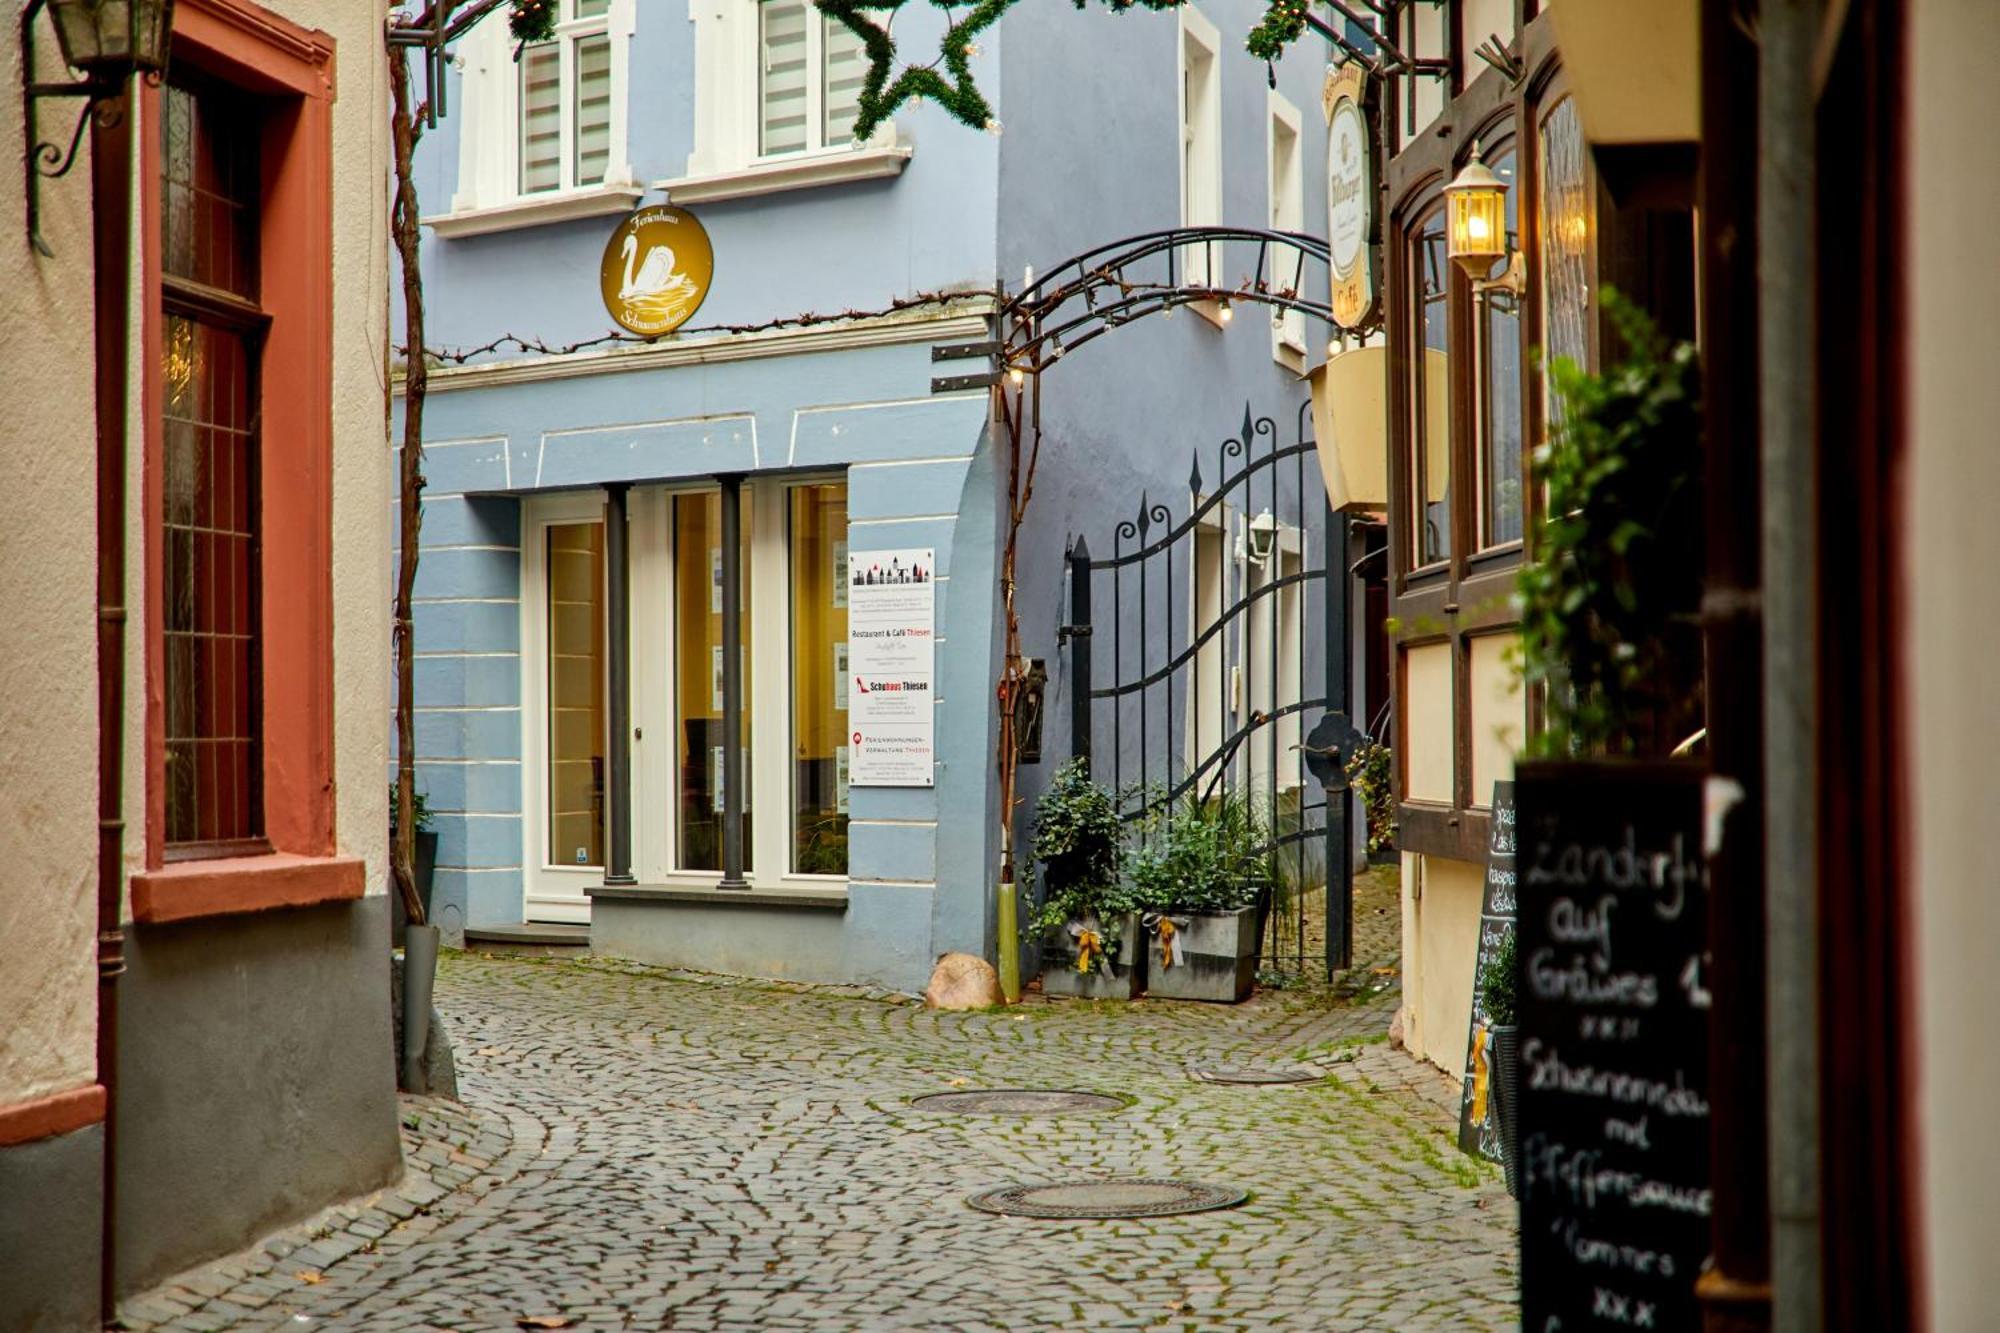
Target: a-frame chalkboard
1479	1133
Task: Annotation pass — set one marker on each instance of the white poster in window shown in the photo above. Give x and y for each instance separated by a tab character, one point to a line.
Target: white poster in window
892	659
840	779
840	678
715	678
840	576
715	780
715	580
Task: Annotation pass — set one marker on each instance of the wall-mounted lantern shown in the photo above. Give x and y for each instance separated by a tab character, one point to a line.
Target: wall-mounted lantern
1476	225
110	41
1028	711
1262	537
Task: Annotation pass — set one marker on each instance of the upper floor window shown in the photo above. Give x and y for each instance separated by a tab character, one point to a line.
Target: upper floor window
550	122
1288	208
1502	417
1429	288
565	102
1200	132
809	74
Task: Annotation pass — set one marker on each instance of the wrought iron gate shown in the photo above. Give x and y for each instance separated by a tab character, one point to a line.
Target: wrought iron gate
1192	664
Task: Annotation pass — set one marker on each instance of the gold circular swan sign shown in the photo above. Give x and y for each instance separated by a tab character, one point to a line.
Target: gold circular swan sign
656	271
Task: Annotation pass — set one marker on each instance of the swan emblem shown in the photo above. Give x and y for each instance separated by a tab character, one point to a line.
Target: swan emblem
655	275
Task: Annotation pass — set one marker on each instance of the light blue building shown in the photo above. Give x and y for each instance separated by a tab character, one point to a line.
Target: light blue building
824	436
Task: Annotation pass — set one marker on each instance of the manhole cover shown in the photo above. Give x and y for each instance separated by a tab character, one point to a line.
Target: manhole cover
1108	1198
1016	1101
1255	1077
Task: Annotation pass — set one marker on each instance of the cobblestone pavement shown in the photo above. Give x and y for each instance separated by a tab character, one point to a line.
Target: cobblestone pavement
640	1149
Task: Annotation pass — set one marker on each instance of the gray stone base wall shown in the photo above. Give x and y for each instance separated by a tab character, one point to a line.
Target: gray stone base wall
255	1079
51	1195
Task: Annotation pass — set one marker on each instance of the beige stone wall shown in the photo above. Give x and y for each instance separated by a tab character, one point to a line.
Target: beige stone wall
1440	939
48	656
1953	638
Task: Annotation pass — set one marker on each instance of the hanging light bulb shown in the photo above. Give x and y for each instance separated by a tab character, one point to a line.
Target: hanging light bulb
1225	314
1016	374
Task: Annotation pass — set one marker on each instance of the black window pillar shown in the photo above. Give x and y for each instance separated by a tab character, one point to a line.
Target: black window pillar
618	632
732	684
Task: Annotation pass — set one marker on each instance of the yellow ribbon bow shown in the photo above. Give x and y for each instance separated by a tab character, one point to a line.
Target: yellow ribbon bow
1089	947
1166	942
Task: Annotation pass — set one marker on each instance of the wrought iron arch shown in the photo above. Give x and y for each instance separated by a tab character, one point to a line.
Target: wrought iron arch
1113	285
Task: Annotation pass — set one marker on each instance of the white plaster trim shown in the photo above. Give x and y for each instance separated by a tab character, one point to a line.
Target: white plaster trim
798	171
910	462
963	320
885	520
537	210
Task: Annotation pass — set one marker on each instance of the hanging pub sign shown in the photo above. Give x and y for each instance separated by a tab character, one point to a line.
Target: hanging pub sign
1350	192
891	661
656	270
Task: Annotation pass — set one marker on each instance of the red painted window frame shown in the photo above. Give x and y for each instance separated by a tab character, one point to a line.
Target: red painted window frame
290	69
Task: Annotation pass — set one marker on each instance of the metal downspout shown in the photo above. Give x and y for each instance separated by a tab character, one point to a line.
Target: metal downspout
618	631
111	232
1788	30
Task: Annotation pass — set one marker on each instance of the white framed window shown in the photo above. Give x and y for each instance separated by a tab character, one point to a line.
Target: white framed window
1285	188
1200	103
549	127
793	641
777	85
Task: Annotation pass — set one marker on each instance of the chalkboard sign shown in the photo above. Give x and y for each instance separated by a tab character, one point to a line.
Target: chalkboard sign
1478	1127
1615	1196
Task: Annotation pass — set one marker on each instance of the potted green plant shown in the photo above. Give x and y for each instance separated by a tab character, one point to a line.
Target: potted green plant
426	861
1196	874
1089	930
1498	982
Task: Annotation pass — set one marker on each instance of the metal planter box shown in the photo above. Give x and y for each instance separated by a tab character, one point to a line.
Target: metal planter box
1121	978
1218	958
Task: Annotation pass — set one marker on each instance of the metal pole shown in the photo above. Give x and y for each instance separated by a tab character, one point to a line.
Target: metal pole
1788	30
1079	651
111	231
732	685
618	632
1339	838
1735	1291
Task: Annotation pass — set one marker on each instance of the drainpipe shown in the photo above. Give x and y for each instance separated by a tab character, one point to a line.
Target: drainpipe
732	685
111	246
618	595
1788	30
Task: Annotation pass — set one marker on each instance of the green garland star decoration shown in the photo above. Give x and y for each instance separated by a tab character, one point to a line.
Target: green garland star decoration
532	21
958	94
1283	23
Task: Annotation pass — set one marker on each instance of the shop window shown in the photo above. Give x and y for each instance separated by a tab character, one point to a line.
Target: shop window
574	555
212	332
1562	225
820	678
1430	397
697	664
1501	416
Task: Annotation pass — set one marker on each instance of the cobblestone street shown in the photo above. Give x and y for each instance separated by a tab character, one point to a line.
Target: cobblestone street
647	1150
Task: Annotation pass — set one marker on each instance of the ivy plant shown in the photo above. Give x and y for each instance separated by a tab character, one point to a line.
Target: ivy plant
1370	772
1612	589
1077	847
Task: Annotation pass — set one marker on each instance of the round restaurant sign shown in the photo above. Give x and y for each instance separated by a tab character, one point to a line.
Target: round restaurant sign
656	271
1346	186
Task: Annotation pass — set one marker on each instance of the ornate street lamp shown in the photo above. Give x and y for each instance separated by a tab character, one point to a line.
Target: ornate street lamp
110	41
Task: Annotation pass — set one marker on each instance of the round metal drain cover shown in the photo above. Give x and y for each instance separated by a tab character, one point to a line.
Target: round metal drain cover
1016	1101
1108	1198
1253	1077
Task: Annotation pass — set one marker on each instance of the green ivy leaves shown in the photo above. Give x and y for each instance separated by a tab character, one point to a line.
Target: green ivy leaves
1610	597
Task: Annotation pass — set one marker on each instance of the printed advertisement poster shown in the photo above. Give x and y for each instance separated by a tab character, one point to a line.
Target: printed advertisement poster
891	661
840	678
